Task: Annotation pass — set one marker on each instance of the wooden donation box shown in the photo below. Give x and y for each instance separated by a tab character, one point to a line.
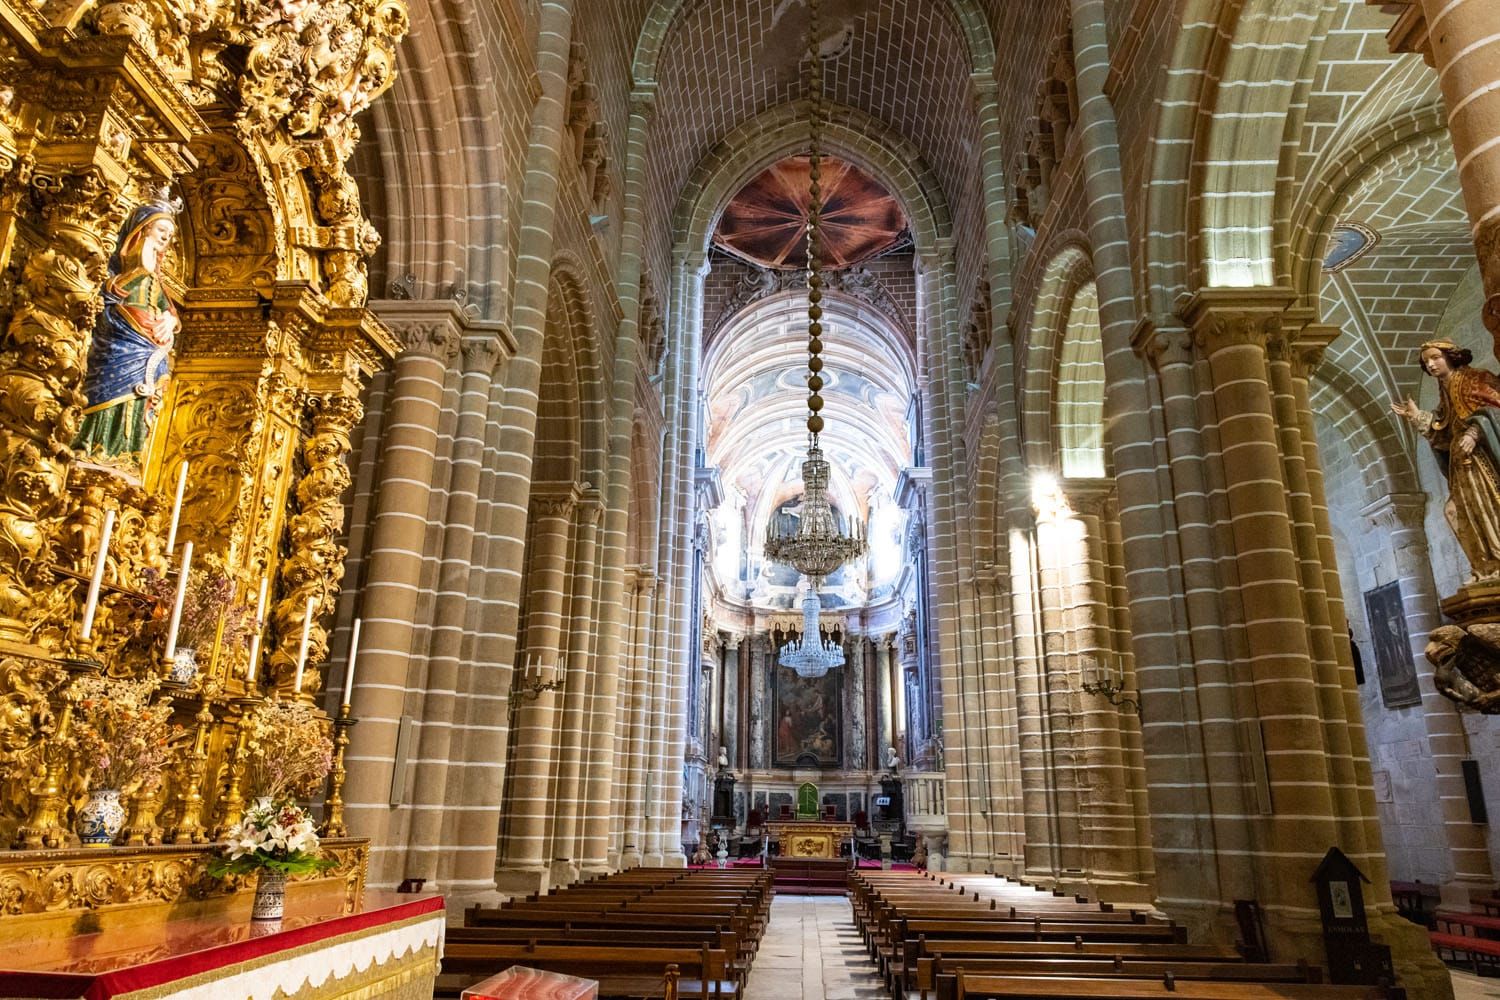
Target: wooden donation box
811	839
387	948
520	983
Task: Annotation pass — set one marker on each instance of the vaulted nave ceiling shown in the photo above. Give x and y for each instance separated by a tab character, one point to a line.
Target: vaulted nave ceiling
725	62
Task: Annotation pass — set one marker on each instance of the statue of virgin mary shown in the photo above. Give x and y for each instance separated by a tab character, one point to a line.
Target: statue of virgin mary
130	357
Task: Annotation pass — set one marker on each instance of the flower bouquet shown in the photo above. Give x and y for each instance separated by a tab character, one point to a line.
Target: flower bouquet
121	741
287	754
209	614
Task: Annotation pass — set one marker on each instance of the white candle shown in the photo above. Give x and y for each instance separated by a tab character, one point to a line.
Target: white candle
302	649
91	606
177	507
353	653
182	582
260	624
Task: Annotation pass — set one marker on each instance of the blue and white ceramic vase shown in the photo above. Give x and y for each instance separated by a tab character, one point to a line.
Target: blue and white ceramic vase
101	818
270	896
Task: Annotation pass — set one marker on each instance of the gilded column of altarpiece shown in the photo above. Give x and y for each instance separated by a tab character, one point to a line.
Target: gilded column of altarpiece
239	115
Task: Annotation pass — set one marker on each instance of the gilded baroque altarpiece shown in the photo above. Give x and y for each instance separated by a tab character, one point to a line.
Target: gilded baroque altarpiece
244	110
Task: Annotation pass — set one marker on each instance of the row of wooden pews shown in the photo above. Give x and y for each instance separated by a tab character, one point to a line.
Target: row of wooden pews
983	937
646	932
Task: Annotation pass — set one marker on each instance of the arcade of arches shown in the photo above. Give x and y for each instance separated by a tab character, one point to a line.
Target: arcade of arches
482	324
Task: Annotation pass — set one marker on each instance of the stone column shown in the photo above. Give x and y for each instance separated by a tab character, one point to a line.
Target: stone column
759	701
1194	719
1146	519
398	539
575	736
1108	810
1459	40
950	566
434	827
729	721
1231	329
885	732
525	864
633	804
858	757
615	596
898	687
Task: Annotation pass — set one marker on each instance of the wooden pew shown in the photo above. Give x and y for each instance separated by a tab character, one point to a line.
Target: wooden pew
930	972
490	917
616	937
1468	937
635	972
906	974
1030	988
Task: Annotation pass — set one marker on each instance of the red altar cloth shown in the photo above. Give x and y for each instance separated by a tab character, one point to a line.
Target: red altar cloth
101	966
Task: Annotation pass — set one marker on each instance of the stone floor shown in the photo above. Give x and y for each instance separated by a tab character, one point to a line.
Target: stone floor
811	951
1467	987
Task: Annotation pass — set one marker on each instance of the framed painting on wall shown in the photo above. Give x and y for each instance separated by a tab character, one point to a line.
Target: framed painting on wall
807	723
1392	645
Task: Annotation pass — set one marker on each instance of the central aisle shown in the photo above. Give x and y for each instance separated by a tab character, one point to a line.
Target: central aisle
811	950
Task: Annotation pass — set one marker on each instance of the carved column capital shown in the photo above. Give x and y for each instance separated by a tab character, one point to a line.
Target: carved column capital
554	500
1090	497
481	354
1398	511
1222	318
590	505
432	328
1163	341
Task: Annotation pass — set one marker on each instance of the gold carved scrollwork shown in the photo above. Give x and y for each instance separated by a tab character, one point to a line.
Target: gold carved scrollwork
230	219
314	569
41	402
247	108
42	882
208	424
315	65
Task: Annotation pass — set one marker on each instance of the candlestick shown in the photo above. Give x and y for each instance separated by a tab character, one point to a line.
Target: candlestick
97	580
353	653
260	624
302	649
177	507
182	582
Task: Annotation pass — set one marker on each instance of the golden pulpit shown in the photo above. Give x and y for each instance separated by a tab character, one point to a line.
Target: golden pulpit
811	839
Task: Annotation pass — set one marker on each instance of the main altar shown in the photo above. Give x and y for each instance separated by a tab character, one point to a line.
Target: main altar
811	838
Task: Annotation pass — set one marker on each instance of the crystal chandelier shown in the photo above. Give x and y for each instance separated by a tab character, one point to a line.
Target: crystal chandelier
811	656
817	547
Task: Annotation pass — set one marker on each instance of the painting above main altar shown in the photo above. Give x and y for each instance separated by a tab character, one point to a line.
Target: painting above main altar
807	720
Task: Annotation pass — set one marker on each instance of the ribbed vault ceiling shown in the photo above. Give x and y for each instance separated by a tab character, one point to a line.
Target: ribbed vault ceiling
726	61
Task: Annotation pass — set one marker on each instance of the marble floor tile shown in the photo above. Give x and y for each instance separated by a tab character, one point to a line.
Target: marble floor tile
811	951
1471	987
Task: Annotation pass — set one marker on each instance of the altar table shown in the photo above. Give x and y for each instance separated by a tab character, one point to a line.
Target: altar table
811	838
387	949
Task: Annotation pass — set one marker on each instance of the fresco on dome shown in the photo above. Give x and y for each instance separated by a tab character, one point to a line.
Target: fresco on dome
807	719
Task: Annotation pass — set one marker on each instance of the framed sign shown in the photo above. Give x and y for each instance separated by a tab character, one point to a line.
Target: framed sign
1392	644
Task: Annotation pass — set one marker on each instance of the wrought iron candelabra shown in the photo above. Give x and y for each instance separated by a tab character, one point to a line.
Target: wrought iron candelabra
1113	692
